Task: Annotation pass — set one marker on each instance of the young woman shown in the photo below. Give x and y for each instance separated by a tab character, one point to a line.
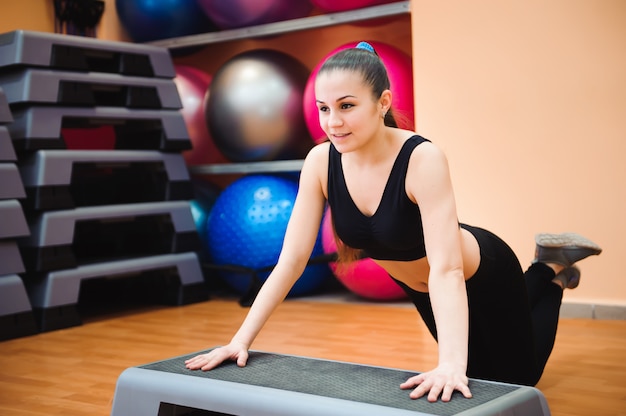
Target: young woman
391	199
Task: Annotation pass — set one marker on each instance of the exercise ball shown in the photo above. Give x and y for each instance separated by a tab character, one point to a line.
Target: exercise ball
232	14
400	71
149	20
246	228
193	86
364	277
332	6
254	110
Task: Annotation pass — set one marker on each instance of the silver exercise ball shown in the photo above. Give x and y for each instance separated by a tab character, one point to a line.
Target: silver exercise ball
254	111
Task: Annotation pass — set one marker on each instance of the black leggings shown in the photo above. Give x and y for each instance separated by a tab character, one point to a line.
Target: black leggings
513	316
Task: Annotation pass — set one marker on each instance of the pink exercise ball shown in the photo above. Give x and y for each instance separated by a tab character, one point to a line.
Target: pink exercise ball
400	71
231	14
193	84
364	278
332	6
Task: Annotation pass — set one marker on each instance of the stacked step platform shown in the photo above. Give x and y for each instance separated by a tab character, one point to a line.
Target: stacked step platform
16	315
98	133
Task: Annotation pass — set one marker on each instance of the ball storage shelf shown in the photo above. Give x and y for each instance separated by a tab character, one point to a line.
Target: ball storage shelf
322	21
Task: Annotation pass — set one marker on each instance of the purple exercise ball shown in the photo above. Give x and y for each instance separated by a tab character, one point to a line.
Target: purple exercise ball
231	14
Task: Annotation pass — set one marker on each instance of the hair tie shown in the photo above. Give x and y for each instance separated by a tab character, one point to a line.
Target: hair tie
366	46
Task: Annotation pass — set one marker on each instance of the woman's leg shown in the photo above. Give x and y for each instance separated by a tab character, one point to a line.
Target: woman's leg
502	340
545	303
513	314
554	252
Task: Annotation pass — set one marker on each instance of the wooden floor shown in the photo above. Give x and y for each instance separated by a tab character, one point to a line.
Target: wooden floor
74	371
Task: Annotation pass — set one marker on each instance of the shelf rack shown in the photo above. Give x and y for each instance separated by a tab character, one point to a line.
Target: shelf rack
247	167
287	26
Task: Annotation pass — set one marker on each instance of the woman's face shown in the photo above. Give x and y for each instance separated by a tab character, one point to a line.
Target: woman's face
348	112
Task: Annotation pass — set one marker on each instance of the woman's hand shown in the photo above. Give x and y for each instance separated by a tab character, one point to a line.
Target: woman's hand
442	381
233	351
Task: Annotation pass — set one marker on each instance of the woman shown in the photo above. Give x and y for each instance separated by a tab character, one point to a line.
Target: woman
391	199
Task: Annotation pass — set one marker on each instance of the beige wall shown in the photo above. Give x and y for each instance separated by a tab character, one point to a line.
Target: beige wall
527	97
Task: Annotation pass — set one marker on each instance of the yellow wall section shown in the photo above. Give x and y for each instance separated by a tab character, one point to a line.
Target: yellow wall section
27	15
527	98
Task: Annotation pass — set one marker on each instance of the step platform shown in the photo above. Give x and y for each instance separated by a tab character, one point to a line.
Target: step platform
7	153
12	220
274	384
28	86
11	186
64	179
16	315
79	53
10	258
68	238
40	127
5	110
55	296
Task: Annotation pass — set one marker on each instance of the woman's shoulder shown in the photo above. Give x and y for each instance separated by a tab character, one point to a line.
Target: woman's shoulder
426	155
317	158
319	152
315	167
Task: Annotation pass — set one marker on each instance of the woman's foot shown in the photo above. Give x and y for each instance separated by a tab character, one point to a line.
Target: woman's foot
568	278
564	249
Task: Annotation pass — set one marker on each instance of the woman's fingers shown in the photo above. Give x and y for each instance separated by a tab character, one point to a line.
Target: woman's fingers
209	361
433	387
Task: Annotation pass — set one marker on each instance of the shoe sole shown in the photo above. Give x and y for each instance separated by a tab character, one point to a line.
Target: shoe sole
566	240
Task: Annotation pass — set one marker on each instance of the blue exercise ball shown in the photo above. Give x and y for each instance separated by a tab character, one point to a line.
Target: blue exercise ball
246	228
254	111
231	14
149	20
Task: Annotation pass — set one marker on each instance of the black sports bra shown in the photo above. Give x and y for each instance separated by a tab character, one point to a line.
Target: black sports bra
394	231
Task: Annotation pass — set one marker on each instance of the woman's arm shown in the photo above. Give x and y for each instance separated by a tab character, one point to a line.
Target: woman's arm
428	181
300	237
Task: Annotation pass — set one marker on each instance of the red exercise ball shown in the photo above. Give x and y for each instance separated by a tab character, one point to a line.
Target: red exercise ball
332	6
400	71
364	278
193	84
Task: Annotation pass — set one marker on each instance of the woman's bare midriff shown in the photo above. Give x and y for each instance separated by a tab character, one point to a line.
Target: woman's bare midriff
415	273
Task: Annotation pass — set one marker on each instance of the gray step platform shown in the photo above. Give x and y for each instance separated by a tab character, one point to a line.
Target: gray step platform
274	385
12	220
7	153
86	235
10	258
40	127
11	186
16	315
78	53
5	110
55	296
46	86
63	179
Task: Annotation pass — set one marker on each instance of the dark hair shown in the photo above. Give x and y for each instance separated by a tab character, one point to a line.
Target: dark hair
367	63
